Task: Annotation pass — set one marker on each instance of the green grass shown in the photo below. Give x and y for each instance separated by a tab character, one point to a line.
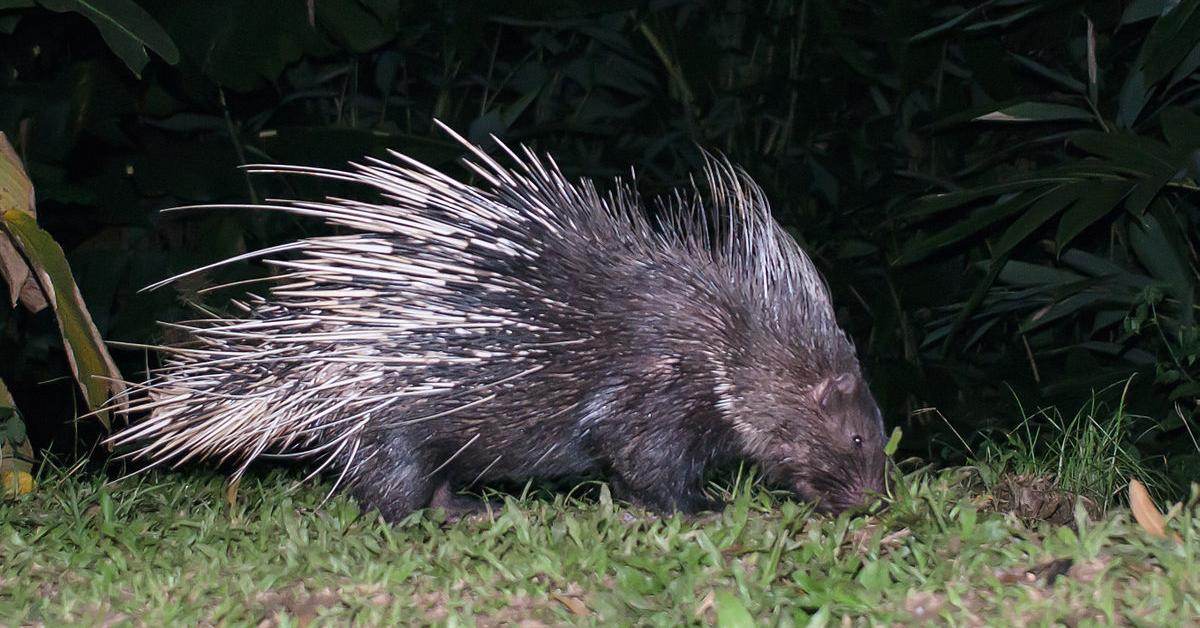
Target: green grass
1089	453
170	550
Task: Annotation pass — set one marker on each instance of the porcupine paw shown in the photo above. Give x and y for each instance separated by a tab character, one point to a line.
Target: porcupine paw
454	505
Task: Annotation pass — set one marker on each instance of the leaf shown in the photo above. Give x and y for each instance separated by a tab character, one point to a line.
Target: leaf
893	442
978	294
935	203
16	452
1018	273
1146	513
573	604
971	225
1065	81
1137	154
731	613
1004	21
1139	10
1060	308
1181	128
1132	99
94	369
1097	266
126	28
945	26
17	193
1042	210
1171	40
1097	200
1157	252
1036	112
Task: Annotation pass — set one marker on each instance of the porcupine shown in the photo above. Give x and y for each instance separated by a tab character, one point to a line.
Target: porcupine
528	327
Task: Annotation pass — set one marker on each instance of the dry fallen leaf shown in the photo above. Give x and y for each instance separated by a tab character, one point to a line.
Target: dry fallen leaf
573	604
1145	512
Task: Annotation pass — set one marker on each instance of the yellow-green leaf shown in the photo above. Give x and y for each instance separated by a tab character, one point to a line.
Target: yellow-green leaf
94	369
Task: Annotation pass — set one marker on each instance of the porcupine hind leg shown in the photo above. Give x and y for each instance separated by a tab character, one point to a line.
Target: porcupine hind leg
658	467
650	452
661	479
390	478
455	506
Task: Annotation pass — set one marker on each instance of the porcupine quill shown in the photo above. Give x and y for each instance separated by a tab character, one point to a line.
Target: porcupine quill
528	327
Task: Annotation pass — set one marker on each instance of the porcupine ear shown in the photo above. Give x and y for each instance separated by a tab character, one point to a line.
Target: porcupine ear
827	391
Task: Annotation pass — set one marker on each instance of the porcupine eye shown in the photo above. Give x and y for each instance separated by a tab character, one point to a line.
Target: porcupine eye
858	441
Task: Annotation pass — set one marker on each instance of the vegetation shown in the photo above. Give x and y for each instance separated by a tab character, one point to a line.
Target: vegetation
170	551
1002	195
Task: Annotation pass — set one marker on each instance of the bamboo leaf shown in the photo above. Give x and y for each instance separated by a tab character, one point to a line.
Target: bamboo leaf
935	203
1181	128
1138	154
1036	112
1171	40
1097	200
975	223
1063	80
1042	210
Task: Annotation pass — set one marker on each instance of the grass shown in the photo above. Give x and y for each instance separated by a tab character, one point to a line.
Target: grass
171	550
1089	453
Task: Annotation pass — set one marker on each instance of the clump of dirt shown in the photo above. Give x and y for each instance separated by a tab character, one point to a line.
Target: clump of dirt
1034	498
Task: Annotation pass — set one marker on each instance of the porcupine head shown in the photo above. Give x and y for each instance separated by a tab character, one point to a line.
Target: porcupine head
797	397
465	334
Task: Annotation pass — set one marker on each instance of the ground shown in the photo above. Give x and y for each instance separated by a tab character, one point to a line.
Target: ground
170	549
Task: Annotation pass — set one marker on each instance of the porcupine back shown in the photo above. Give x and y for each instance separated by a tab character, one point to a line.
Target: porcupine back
475	314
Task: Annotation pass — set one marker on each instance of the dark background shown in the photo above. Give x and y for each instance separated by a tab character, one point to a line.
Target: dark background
1061	267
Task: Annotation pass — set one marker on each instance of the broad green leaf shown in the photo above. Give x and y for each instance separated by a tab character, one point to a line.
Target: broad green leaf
731	612
935	203
1097	266
978	294
1170	40
1097	200
1005	20
1025	274
126	28
1065	81
94	369
1139	10
1181	128
1132	99
1138	154
1036	112
977	222
1061	308
1145	191
948	24
1038	214
1156	251
1186	67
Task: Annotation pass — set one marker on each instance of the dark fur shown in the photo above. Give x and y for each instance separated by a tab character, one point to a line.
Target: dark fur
635	399
530	328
